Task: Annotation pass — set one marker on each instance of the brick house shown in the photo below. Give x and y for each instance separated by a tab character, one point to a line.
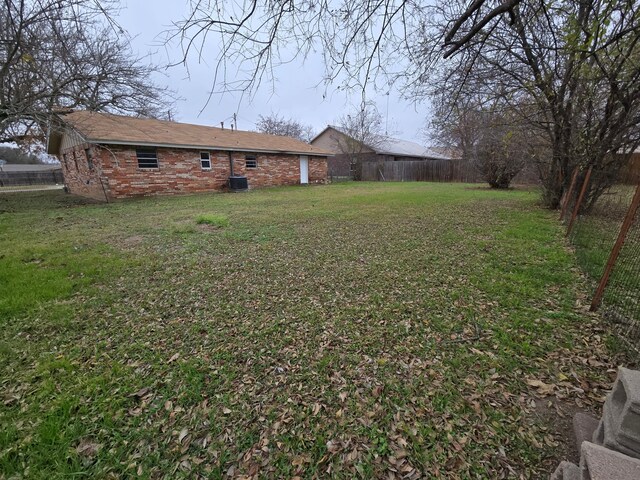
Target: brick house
384	148
107	156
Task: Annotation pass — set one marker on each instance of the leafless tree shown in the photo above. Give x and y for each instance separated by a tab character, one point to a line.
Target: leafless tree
275	125
362	133
503	147
493	138
58	54
493	132
359	41
455	125
15	155
576	61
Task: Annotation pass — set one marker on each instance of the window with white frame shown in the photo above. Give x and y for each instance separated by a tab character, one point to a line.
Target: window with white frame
205	161
250	161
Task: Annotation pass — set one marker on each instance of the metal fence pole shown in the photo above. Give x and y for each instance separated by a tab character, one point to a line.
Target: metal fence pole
615	252
576	208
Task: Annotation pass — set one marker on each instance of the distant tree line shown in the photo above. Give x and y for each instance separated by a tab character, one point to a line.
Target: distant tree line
15	155
274	124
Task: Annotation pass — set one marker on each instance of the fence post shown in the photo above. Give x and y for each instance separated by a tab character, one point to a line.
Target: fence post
615	251
576	208
569	192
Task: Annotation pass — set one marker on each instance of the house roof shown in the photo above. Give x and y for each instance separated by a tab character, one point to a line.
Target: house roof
98	127
405	148
448	152
396	147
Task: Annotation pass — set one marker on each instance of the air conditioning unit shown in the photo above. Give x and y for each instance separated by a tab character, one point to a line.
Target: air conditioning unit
238	183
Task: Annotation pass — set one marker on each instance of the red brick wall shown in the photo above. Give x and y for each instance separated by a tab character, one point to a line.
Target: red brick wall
317	169
179	171
274	169
79	178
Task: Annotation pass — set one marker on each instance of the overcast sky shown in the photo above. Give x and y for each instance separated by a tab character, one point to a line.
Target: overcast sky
296	93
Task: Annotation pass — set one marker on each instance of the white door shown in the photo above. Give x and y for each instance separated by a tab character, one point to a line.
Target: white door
304	169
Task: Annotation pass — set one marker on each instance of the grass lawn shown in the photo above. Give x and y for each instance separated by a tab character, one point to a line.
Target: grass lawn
353	330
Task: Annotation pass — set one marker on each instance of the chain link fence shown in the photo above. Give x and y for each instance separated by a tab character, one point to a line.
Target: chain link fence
603	224
49	177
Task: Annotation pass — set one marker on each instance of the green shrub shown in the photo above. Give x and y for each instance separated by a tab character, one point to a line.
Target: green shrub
215	220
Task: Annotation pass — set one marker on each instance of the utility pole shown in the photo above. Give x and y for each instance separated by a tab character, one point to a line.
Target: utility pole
386	122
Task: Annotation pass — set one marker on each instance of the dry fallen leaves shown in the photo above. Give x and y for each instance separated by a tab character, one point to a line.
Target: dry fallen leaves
310	315
544	389
88	448
333	446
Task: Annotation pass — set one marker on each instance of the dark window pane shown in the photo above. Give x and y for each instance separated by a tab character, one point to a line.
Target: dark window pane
251	161
147	158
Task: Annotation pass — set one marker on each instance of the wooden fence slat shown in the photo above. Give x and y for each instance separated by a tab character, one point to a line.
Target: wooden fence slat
587	177
568	194
420	170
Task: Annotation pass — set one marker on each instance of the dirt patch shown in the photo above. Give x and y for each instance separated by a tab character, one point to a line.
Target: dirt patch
207	228
557	415
132	241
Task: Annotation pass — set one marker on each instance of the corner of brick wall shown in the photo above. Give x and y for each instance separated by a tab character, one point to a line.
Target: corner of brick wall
79	178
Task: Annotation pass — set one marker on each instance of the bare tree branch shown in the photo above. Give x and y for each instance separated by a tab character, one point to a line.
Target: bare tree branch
56	54
273	124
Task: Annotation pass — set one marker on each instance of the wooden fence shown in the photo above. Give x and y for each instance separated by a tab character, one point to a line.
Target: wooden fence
630	173
420	170
339	168
49	177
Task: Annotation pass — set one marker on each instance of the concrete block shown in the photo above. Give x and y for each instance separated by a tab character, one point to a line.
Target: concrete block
605	436
601	463
566	471
619	428
583	428
598	434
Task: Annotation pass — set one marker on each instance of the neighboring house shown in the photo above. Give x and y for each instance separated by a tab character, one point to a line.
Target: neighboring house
109	156
450	153
383	149
396	150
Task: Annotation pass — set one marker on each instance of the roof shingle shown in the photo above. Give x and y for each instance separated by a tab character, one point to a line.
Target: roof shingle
107	128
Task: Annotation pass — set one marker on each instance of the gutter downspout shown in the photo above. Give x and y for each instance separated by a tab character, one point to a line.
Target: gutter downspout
230	162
